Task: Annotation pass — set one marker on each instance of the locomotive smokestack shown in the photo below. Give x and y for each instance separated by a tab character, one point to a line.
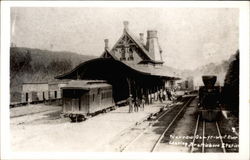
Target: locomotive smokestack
209	80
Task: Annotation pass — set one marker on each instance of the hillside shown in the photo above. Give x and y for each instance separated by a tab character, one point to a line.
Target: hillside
219	69
35	65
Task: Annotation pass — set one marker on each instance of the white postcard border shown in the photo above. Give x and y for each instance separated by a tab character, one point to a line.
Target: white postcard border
6	153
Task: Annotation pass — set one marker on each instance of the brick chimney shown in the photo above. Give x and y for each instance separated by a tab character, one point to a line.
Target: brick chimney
106	41
141	38
125	23
153	46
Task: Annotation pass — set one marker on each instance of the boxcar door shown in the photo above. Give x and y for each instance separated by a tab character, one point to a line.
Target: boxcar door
80	101
84	106
71	98
75	104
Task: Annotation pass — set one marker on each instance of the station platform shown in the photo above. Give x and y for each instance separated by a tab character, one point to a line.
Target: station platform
122	113
92	135
122	121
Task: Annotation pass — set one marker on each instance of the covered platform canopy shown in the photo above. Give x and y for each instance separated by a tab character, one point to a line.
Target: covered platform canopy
125	78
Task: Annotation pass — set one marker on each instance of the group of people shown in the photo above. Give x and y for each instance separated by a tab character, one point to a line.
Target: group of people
136	104
162	95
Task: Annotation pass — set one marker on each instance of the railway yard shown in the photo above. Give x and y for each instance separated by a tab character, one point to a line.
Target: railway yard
93	107
161	127
167	82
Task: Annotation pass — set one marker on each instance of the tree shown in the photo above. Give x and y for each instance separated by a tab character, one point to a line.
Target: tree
59	66
231	85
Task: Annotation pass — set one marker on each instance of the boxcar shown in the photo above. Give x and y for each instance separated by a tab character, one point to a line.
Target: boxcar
86	98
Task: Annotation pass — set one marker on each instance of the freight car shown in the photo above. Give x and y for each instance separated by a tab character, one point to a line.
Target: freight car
44	92
209	99
83	98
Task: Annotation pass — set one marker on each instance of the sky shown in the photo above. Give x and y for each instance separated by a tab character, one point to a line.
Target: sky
189	37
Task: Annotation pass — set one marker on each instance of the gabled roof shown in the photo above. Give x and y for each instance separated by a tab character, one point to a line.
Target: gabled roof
129	34
161	71
107	52
139	44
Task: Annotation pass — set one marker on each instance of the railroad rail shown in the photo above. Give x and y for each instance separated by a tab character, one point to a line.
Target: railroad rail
167	128
211	140
186	101
19	104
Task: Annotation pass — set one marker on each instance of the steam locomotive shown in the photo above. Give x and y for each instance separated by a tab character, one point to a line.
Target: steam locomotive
209	99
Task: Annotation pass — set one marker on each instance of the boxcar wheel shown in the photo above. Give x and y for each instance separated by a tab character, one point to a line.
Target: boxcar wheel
73	119
80	118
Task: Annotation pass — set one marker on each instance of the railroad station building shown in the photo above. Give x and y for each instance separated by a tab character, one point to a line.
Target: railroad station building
132	66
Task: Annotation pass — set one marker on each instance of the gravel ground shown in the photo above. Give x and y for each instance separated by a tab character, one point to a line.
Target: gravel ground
31	109
143	136
44	131
40	128
183	127
186	127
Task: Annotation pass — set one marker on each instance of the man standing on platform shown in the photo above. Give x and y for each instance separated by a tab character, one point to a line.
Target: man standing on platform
130	103
137	104
161	96
142	102
169	95
149	99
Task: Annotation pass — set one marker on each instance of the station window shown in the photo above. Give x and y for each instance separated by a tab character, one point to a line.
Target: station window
93	97
131	57
123	54
55	94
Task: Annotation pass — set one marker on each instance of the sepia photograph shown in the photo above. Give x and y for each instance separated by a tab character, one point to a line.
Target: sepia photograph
122	80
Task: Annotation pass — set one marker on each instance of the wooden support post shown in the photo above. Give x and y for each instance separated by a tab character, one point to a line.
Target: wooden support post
77	75
129	86
147	96
135	87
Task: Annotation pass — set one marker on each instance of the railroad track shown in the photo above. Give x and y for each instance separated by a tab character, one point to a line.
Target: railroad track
207	137
150	143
